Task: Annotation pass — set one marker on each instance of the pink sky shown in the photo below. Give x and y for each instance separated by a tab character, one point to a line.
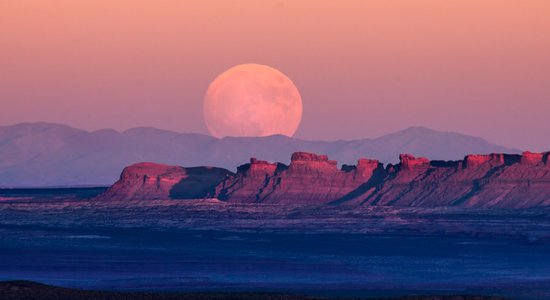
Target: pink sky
364	68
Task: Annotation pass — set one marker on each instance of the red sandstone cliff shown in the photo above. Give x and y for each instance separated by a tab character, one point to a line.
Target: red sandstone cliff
145	181
493	180
310	178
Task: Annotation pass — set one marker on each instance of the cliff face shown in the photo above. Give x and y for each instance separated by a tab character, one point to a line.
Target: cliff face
145	181
310	178
493	180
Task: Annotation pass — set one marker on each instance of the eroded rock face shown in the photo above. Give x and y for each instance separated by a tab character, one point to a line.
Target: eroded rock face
493	180
145	181
529	158
475	160
249	182
409	162
310	178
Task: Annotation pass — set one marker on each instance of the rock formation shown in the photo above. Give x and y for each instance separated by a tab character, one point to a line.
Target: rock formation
494	180
310	178
146	181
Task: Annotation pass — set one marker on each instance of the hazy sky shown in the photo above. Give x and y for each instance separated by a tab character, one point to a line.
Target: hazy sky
364	68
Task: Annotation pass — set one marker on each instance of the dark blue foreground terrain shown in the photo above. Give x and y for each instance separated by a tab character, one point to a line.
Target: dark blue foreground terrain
212	246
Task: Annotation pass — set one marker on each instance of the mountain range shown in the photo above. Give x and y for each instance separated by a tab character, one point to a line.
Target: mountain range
46	154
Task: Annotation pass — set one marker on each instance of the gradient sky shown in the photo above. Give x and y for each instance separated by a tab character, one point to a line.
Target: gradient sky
364	68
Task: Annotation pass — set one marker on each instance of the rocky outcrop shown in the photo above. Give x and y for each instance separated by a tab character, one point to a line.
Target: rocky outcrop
409	162
493	180
250	181
310	178
529	158
146	181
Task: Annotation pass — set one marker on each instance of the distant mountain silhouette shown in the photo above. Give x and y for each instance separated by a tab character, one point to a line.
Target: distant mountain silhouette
44	154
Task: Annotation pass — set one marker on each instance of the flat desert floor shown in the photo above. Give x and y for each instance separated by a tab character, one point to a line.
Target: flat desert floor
208	245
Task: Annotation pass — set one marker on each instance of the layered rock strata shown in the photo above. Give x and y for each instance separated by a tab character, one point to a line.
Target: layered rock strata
492	180
144	181
310	178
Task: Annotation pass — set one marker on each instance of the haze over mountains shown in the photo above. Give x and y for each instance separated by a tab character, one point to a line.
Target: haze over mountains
44	154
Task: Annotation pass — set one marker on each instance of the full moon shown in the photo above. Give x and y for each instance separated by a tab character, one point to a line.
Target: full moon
252	100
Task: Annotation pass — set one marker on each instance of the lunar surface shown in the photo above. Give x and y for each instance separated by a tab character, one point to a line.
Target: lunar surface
252	100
